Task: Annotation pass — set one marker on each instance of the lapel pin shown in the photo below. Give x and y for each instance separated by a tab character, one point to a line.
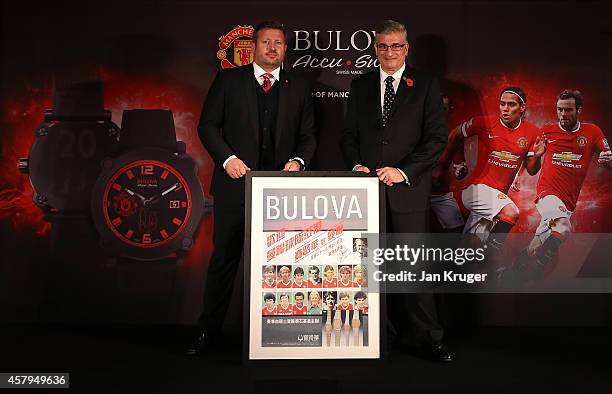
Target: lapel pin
409	82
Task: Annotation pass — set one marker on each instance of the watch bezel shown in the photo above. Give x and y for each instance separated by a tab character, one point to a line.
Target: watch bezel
183	240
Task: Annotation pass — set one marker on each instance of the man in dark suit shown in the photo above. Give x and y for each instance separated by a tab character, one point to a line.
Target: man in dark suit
256	117
395	124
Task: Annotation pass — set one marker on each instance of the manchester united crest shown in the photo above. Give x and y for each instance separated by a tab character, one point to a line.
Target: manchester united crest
581	141
522	142
235	47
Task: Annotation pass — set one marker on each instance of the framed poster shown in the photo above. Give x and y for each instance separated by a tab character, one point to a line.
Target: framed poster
306	289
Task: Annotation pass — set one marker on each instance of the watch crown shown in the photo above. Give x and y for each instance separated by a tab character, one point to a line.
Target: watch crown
23	164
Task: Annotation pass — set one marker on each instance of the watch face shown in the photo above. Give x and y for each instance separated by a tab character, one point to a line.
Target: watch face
147	203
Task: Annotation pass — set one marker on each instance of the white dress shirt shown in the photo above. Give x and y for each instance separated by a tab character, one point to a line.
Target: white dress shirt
259	75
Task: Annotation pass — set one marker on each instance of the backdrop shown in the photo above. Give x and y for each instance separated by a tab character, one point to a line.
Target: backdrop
165	54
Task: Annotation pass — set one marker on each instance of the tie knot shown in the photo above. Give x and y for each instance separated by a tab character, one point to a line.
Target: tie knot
267	76
389	80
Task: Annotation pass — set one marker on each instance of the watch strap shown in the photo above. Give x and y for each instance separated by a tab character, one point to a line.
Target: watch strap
148	128
77	101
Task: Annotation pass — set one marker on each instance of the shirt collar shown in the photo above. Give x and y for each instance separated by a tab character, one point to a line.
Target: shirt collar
396	75
260	71
570	131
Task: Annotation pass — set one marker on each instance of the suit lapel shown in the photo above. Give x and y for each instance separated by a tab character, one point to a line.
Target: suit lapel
403	92
251	101
283	96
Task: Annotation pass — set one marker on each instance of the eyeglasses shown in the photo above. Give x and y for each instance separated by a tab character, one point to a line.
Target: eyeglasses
393	47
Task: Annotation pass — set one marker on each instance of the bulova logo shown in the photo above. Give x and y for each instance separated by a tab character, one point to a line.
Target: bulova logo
347	45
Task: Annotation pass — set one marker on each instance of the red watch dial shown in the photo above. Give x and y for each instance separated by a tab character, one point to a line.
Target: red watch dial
147	203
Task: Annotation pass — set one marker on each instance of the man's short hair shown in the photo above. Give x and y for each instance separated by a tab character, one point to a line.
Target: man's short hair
284	268
269	296
516	90
314	268
343	294
298	270
299	293
359	268
276	25
571	94
360	295
391	26
329	268
345	268
269	268
283	295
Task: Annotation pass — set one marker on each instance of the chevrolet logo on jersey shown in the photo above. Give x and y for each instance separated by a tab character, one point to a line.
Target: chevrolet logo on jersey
504	156
566	157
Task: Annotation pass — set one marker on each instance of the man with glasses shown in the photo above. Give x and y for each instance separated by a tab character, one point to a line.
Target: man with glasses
396	126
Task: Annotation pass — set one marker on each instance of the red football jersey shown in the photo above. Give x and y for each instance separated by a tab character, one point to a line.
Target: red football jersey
566	161
348	307
299	286
345	285
314	285
281	285
501	150
284	311
266	312
267	285
299	311
330	283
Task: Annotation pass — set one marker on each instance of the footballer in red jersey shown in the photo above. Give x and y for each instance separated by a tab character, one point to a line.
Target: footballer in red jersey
284	280
329	281
314	280
269	277
570	146
298	281
270	308
299	308
360	302
344	304
345	277
284	308
504	143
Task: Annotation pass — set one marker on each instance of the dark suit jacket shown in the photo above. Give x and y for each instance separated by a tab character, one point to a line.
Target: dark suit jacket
415	135
229	125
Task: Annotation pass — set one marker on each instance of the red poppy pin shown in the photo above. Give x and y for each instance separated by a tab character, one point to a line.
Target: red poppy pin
286	82
409	82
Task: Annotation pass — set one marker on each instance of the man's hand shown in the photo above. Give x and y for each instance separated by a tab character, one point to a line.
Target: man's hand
605	158
390	175
292	166
516	185
235	168
362	169
460	170
539	147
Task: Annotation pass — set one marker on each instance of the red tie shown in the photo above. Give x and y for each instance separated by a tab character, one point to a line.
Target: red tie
267	83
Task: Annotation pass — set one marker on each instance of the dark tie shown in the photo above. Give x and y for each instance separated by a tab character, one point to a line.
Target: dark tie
266	84
388	101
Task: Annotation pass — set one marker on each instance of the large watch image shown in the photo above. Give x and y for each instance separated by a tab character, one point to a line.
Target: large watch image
148	201
63	163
